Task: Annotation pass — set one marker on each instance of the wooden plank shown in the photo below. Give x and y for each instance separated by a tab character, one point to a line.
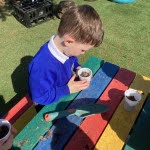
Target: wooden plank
63	129
140	135
23	120
15	112
122	121
93	126
29	136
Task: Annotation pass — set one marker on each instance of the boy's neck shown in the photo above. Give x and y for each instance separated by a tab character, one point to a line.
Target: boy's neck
59	43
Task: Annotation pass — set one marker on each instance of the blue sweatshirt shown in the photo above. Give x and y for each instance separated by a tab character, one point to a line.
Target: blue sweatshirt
49	72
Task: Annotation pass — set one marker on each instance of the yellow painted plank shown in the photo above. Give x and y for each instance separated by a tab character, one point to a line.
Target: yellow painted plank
23	120
122	121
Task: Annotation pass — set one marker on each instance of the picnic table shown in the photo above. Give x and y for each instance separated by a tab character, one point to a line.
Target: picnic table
115	129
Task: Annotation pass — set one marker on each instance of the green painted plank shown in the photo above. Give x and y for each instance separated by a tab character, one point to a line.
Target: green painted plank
140	136
29	136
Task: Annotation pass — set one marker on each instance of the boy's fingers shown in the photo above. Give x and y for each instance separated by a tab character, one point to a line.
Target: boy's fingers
84	82
8	144
84	85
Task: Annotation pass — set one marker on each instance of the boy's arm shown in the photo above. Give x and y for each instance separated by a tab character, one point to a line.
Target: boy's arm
43	89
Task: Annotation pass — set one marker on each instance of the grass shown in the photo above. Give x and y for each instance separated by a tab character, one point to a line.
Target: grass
126	43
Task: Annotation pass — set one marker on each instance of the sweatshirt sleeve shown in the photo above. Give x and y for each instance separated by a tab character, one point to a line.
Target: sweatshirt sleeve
42	86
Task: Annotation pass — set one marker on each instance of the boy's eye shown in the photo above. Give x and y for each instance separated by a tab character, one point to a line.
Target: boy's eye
82	50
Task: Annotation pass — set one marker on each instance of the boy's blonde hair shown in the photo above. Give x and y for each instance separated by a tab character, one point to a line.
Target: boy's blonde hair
83	24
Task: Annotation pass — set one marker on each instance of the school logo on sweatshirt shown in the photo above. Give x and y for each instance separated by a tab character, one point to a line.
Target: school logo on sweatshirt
72	67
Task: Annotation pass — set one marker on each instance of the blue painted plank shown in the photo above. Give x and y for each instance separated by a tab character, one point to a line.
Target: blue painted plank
29	136
140	136
63	128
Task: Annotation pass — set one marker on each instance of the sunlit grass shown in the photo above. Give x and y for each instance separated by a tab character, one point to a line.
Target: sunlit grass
126	41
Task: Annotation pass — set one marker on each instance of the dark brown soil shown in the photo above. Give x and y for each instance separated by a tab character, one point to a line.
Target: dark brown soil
3	131
132	98
84	74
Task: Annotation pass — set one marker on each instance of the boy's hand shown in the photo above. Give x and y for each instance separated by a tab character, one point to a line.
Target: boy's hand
76	86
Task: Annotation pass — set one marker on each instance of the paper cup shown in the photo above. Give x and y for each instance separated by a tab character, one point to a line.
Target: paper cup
130	103
5	130
83	72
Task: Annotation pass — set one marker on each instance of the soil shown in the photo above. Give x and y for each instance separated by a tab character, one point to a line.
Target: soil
84	74
132	98
3	131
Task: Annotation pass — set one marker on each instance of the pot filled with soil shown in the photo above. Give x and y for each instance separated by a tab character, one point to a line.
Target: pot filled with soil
132	98
85	74
5	130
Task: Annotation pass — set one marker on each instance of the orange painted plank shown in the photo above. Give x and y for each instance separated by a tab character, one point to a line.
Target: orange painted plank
93	126
15	112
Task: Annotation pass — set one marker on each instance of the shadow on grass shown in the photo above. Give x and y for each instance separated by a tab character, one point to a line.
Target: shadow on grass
20	84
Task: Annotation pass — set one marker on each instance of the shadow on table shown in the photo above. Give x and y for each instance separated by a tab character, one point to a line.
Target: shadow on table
60	132
20	84
63	127
115	97
15	148
57	136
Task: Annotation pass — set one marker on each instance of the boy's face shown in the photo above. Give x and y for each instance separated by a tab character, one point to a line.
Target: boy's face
74	48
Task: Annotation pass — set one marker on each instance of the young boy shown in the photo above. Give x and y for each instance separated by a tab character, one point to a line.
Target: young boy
51	70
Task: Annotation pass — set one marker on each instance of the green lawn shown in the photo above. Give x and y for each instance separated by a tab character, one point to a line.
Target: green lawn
126	43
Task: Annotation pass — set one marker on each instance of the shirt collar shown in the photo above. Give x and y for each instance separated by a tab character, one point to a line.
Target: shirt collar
56	52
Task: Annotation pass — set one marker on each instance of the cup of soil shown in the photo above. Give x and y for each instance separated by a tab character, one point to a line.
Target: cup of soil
132	98
5	130
85	74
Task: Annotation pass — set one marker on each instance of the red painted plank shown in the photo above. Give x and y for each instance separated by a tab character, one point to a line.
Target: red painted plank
92	127
15	112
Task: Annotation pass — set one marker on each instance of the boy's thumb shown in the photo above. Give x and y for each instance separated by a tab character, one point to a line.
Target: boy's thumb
73	77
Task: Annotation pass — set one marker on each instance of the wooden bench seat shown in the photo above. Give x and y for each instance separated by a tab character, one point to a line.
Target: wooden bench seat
20	114
16	111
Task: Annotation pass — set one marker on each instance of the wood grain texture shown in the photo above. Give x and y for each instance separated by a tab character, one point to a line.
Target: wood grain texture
139	138
122	121
64	128
93	126
37	127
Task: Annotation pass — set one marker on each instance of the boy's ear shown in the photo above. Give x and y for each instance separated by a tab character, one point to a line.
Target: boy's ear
68	40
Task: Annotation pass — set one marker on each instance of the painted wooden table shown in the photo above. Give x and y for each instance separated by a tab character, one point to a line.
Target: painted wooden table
113	130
